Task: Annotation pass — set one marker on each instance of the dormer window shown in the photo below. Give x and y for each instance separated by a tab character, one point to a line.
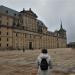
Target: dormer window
14	14
6	11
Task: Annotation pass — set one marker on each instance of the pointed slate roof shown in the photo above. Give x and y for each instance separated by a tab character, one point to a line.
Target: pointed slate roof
61	28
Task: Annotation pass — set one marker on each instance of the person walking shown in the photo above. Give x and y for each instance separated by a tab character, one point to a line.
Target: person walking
23	49
44	63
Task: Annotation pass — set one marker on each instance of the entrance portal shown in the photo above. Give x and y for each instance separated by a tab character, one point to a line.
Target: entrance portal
30	45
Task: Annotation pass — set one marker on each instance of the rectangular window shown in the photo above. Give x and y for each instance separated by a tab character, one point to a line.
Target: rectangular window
7	39
7	45
0	32
7	23
0	44
16	34
25	35
30	35
7	33
0	39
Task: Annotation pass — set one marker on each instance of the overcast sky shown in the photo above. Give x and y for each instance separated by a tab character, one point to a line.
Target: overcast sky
51	12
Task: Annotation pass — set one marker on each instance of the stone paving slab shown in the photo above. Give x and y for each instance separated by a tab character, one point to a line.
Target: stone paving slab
19	63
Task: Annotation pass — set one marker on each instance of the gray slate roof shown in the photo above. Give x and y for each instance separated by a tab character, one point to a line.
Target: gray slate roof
6	10
40	23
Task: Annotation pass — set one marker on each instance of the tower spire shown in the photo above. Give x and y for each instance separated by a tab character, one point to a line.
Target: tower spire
61	25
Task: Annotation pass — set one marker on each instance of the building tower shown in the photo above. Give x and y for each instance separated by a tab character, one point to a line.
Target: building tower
62	32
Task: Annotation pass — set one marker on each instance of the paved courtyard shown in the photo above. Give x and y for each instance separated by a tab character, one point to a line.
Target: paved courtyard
21	63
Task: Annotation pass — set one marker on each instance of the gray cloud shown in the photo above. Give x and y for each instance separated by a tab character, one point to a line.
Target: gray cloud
50	12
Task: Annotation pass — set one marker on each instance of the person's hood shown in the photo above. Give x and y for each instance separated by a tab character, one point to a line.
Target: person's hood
44	55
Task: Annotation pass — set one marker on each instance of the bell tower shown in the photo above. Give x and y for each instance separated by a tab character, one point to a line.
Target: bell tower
62	31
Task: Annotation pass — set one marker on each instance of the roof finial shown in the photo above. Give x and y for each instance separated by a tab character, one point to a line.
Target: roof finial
23	9
30	9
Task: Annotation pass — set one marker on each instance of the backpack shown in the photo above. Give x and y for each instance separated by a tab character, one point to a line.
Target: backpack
44	64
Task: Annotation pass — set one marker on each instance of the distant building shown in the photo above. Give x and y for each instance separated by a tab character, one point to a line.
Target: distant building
22	30
71	45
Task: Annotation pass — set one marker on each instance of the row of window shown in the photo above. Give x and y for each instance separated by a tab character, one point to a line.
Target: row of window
0	33
25	35
7	18
1	17
1	23
0	39
0	45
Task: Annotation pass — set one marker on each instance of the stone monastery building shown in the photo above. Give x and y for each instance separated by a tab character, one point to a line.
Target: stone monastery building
23	30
